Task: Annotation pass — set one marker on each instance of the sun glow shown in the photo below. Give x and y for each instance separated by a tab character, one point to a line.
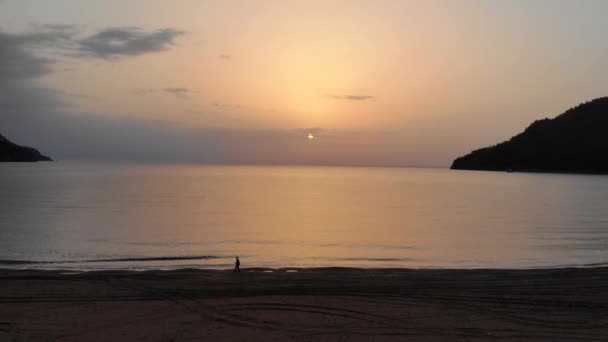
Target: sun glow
310	136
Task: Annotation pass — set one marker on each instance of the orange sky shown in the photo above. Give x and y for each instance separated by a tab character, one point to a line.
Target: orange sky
413	83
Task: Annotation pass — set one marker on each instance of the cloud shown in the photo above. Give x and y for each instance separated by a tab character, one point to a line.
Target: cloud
351	97
67	40
48	37
220	106
28	107
16	60
44	116
59	27
225	56
20	66
178	92
126	41
358	97
145	91
33	115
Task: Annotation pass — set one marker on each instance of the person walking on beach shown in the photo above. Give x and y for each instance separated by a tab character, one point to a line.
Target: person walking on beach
237	265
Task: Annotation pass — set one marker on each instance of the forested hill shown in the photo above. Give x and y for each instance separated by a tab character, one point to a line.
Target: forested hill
574	142
11	152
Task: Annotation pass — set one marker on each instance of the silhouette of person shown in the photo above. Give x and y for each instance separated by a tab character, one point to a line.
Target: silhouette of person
237	265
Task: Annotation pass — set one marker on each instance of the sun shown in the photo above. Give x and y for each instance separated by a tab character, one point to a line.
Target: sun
310	136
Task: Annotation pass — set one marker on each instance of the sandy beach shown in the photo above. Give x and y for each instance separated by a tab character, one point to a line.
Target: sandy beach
324	304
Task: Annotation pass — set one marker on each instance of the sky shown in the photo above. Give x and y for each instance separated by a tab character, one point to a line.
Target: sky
374	83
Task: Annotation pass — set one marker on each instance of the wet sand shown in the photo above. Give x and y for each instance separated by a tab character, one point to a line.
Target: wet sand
325	304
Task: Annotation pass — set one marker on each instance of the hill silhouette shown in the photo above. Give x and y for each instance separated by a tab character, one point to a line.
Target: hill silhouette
11	152
573	142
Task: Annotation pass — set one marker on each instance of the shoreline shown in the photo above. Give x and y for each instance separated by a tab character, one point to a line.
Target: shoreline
300	304
223	268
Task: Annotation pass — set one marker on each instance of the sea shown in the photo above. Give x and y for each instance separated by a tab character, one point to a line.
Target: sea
97	216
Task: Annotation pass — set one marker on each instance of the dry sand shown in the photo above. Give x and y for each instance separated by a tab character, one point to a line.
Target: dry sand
328	304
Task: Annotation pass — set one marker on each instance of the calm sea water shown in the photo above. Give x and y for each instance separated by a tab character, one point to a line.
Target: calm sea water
92	216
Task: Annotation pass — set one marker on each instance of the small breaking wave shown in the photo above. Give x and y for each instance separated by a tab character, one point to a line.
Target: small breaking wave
131	259
374	259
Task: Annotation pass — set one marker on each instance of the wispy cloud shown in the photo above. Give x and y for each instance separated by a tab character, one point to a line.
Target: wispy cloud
145	91
180	93
225	56
351	97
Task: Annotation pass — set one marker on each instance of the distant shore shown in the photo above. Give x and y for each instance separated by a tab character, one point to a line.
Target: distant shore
302	304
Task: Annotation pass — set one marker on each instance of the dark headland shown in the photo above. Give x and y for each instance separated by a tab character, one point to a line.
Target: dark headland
574	142
11	152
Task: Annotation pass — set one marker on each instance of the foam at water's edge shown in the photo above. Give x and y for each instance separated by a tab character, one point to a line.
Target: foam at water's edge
165	258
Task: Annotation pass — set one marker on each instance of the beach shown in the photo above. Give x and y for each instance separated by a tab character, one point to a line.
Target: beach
304	304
